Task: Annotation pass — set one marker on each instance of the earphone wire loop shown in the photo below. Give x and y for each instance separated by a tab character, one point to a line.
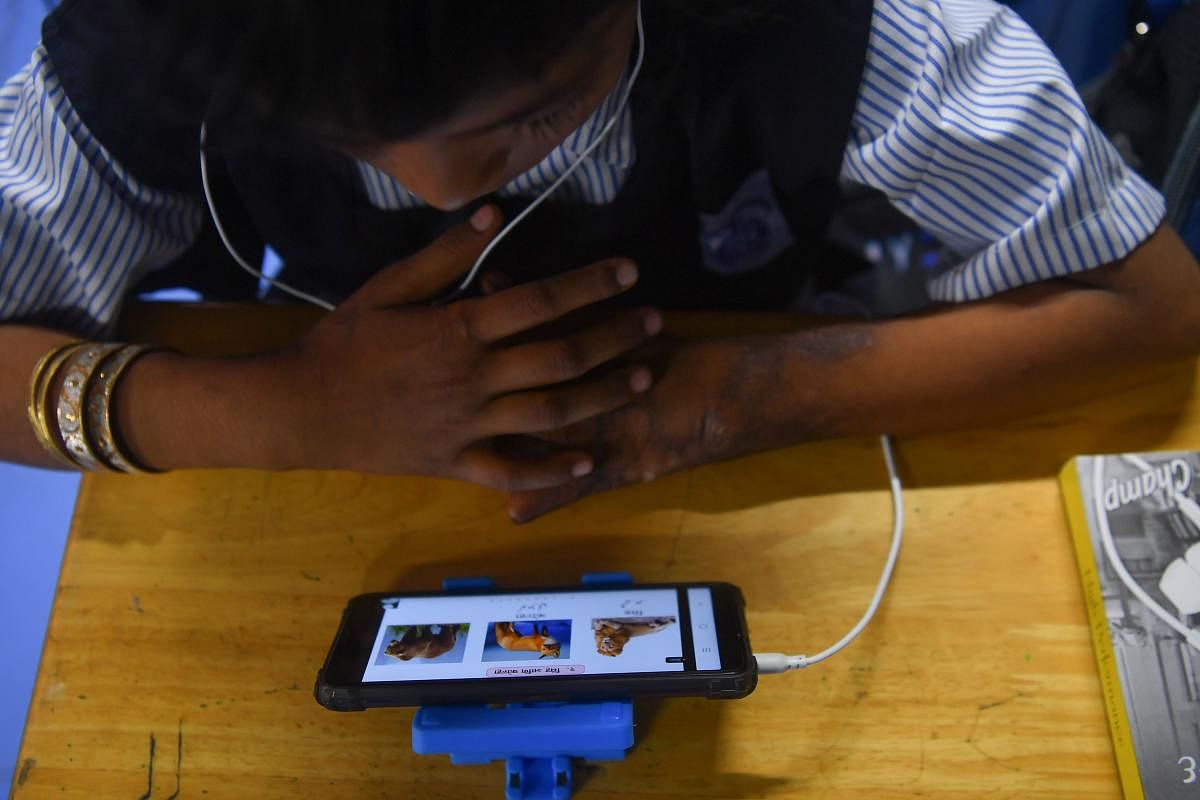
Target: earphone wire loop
467	280
233	253
637	68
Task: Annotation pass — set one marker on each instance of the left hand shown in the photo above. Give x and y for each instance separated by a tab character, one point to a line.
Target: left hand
706	404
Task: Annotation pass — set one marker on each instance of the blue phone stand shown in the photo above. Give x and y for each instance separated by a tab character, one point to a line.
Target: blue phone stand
536	740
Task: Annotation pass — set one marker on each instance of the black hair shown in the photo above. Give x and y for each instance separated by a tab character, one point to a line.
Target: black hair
357	72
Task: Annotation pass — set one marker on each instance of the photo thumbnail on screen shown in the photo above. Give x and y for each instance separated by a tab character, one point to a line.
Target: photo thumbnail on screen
437	643
613	634
511	640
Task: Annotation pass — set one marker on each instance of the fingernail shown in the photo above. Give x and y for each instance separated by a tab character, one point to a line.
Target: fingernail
481	220
640	380
653	322
581	468
627	274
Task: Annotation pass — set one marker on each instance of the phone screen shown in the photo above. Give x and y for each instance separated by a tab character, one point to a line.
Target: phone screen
544	634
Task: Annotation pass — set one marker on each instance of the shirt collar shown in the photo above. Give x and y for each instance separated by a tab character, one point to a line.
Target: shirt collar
615	151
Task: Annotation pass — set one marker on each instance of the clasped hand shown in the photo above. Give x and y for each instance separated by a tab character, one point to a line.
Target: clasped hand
395	385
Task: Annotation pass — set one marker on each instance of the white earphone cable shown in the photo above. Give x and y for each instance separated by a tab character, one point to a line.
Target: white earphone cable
637	67
470	276
212	210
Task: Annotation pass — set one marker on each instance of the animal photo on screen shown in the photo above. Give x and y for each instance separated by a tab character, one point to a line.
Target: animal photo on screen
510	640
436	642
614	633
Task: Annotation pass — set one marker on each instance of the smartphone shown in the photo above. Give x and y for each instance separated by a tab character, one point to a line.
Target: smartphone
529	645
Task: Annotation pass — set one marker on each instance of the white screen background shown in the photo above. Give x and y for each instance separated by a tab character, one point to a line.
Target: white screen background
645	653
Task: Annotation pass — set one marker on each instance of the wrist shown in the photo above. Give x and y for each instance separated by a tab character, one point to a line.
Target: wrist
785	389
177	412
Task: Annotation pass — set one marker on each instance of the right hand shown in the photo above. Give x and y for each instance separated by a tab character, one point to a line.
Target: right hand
394	386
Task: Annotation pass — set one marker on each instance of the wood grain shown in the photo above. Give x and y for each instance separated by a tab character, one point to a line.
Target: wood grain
195	608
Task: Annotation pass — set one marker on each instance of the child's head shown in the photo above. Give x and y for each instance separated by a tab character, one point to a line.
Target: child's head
452	97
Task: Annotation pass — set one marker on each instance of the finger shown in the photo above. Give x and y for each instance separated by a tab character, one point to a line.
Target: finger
558	360
528	504
525	505
538	302
554	409
495	281
481	464
428	273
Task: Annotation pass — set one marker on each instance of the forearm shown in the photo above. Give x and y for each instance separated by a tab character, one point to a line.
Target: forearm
980	362
176	412
942	371
170	411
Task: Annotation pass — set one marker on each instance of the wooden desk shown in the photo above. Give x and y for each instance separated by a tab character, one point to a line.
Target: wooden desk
194	610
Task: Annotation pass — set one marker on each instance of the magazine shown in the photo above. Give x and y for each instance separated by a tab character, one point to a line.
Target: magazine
1135	522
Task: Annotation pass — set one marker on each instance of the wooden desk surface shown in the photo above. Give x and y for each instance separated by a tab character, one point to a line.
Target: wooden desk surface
195	608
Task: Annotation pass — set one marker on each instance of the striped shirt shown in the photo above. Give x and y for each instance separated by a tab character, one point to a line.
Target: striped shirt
964	119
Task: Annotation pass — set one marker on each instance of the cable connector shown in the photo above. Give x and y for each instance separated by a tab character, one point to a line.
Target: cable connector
775	663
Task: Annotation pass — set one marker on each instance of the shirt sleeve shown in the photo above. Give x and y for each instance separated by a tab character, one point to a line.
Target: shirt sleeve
76	229
972	128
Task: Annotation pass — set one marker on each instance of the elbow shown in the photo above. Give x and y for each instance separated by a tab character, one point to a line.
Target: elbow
1158	284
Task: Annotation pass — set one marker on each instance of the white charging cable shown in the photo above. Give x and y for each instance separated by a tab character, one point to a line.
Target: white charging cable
465	283
774	663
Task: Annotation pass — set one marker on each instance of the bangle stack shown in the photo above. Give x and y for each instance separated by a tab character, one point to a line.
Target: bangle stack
84	437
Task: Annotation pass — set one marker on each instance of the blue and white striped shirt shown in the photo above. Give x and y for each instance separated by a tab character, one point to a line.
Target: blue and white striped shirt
964	119
76	230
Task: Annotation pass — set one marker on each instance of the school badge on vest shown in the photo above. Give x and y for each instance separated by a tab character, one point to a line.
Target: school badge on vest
748	232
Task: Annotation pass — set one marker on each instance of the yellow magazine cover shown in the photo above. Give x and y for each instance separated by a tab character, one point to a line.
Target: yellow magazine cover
1135	522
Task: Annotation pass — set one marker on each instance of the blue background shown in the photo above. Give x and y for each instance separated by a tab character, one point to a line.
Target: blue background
35	505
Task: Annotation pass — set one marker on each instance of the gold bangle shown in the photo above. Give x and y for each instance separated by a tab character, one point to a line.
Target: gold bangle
39	387
72	428
99	408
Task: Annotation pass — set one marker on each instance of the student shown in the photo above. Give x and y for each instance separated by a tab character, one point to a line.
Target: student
380	146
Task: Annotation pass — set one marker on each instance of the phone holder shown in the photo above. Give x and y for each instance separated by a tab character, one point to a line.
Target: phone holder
535	740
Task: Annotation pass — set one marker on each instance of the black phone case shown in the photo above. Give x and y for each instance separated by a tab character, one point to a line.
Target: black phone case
361	696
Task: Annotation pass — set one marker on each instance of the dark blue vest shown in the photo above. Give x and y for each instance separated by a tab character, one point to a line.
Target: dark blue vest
718	115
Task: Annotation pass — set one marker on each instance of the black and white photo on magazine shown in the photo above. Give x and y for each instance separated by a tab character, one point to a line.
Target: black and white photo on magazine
1144	523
